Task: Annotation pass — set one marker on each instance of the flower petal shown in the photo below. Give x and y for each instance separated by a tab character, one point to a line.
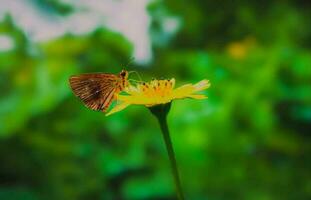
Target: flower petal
202	85
131	90
118	108
197	96
182	91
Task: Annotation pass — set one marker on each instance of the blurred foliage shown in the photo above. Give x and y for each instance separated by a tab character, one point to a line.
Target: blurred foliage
249	140
54	7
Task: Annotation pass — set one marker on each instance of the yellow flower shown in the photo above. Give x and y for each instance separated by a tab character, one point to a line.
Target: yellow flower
158	92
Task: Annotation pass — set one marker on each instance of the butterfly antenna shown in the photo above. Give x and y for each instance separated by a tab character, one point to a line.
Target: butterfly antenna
129	62
139	77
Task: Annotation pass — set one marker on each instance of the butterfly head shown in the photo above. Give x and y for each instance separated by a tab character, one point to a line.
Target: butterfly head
124	74
124	77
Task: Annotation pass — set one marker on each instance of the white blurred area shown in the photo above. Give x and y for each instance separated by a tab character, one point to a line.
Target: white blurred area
6	43
128	17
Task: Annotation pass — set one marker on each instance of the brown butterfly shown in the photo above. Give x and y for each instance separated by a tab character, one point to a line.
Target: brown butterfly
98	90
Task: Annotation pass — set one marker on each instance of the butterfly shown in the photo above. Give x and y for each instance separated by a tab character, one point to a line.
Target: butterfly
98	90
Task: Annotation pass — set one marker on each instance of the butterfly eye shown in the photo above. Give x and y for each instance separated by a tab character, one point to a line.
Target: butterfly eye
123	73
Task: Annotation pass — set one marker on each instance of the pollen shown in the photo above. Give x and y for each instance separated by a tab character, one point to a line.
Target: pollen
156	88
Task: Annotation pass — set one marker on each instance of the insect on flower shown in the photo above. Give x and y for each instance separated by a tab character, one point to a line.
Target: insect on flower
98	90
158	92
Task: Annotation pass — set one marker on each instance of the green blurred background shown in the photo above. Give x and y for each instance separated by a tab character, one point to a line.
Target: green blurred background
250	140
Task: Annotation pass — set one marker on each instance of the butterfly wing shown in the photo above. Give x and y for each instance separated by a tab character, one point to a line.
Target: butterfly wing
95	90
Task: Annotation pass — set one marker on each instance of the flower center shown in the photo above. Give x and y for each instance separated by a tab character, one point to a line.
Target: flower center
157	88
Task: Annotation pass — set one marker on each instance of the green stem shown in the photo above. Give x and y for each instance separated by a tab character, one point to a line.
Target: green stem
161	112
